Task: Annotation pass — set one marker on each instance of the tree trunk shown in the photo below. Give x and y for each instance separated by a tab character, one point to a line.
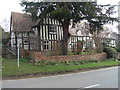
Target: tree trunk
79	47
65	38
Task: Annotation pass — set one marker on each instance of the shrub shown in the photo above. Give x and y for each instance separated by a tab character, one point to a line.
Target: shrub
67	62
117	49
52	63
84	53
118	59
111	52
25	59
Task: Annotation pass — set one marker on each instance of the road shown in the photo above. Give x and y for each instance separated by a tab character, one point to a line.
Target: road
102	78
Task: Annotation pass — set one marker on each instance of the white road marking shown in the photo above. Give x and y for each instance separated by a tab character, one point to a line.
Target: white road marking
92	86
66	74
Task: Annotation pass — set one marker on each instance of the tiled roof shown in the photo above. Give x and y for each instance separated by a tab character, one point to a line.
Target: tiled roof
21	21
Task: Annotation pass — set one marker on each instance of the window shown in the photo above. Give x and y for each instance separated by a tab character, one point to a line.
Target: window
25	41
46	45
52	30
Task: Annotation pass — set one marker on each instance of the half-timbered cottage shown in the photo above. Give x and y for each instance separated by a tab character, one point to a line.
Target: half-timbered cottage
20	26
41	35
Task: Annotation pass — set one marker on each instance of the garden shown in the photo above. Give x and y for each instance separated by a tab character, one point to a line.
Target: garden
29	68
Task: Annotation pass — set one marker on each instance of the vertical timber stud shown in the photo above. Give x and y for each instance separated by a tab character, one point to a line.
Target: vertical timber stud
58	32
51	35
56	43
16	41
22	37
53	32
38	39
42	35
45	34
48	33
29	40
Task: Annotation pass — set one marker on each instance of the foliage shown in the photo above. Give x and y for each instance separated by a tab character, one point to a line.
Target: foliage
5	42
117	49
5	38
25	59
110	59
111	52
1	59
74	62
84	53
118	59
71	54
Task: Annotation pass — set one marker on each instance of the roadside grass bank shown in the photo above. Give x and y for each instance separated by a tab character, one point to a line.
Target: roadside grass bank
26	68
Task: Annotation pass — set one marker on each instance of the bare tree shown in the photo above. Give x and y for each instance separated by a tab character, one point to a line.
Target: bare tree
5	25
98	38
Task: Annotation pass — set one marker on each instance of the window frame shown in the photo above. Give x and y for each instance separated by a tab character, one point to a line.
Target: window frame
52	29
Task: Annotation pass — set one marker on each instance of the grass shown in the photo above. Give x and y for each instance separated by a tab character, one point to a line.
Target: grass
10	67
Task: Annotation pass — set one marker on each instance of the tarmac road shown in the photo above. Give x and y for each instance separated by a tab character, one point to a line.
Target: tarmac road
101	78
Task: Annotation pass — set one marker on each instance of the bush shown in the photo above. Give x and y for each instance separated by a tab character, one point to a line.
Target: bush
25	59
117	49
111	52
84	53
118	59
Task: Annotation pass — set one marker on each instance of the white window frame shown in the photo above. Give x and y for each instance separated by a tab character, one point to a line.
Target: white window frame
46	45
52	29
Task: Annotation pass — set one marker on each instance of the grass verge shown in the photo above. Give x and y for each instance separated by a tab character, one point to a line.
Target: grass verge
10	67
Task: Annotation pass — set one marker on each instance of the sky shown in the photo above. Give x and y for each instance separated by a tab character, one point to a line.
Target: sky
8	6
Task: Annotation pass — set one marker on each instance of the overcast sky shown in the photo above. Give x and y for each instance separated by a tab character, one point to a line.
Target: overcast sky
8	6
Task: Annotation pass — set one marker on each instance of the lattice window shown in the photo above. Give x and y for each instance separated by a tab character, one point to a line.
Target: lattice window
52	30
46	45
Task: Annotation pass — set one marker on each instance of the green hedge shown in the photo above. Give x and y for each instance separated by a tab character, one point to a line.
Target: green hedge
117	49
111	52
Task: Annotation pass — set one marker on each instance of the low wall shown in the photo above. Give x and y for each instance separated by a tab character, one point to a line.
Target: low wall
41	56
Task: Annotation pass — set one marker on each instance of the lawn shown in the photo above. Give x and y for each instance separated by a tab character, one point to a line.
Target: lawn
10	67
